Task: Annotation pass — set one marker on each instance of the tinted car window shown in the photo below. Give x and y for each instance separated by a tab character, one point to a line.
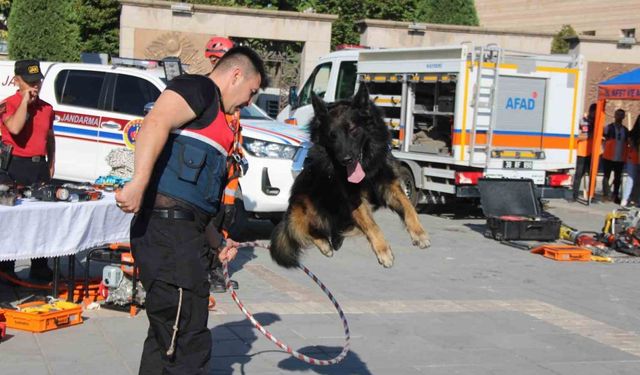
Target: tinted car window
81	88
318	82
132	93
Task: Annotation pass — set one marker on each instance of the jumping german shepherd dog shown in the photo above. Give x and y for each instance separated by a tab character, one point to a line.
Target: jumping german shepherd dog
349	172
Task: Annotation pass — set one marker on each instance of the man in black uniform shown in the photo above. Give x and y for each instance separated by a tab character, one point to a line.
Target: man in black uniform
180	171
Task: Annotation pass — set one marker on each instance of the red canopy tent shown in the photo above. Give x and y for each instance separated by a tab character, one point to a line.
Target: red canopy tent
626	86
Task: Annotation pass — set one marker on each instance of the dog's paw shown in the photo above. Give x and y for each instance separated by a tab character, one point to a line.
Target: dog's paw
422	241
386	259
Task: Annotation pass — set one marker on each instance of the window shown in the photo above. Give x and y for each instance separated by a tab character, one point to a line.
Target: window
318	82
132	94
346	79
79	88
589	32
628	33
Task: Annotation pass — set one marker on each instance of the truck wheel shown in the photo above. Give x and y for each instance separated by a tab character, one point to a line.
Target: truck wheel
408	185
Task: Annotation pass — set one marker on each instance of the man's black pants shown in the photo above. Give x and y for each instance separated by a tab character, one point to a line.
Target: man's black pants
193	340
616	167
583	166
172	253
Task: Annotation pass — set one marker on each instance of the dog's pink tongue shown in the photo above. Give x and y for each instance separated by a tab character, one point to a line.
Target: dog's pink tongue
355	172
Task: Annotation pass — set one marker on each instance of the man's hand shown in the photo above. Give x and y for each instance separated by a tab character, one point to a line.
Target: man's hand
129	199
229	251
30	95
52	169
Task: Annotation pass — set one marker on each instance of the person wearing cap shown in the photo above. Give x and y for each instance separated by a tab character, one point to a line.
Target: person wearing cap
27	126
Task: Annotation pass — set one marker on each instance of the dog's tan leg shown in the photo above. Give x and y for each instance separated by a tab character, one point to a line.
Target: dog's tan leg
364	221
397	200
324	246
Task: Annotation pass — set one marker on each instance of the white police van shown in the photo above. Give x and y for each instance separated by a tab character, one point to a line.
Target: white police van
98	108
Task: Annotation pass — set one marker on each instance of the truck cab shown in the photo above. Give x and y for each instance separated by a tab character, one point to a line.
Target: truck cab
333	79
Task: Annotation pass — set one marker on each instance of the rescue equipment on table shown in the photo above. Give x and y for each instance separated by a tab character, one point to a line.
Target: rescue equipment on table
64	192
121	161
110	183
8	195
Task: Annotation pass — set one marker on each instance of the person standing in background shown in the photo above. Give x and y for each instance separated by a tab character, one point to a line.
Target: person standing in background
585	142
27	128
632	166
614	156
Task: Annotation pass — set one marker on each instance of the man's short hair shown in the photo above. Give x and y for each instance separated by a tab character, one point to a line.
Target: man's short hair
246	57
620	110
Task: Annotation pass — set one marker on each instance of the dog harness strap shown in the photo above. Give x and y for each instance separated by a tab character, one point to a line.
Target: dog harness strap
234	170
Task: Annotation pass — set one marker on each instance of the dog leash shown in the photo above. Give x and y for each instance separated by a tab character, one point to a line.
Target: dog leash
267	334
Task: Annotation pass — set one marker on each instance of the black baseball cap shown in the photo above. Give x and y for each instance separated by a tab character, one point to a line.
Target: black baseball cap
28	70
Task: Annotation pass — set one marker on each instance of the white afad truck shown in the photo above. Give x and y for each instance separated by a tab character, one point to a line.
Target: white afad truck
460	113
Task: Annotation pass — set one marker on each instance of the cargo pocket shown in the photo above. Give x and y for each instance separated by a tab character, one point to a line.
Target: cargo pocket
192	160
217	173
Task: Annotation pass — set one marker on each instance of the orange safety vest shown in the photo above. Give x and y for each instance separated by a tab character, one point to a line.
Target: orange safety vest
234	172
585	145
611	142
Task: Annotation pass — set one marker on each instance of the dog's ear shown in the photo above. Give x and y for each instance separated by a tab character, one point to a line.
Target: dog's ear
361	98
319	107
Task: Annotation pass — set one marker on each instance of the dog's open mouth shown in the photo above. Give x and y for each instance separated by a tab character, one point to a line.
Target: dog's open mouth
355	173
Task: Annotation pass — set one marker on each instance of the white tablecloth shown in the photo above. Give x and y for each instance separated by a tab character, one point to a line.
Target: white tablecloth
48	229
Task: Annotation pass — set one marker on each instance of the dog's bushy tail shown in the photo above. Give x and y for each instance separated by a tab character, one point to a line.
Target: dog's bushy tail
285	249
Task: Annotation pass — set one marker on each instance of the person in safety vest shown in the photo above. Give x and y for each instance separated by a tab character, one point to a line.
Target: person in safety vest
180	171
215	49
614	156
27	130
632	166
585	141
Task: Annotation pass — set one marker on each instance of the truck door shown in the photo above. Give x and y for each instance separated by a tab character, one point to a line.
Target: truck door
520	113
124	110
318	82
79	95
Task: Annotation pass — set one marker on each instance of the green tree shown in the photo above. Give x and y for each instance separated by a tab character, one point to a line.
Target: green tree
558	44
451	12
44	29
99	22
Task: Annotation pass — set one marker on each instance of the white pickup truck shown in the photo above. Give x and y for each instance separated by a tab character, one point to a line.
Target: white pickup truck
96	106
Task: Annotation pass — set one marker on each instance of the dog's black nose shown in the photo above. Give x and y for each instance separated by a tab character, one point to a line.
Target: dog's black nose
347	160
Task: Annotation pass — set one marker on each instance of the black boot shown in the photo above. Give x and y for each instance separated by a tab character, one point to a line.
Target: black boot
216	278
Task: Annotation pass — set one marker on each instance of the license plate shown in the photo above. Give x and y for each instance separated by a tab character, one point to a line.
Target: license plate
517	164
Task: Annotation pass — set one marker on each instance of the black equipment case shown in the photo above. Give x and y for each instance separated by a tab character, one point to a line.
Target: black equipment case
514	211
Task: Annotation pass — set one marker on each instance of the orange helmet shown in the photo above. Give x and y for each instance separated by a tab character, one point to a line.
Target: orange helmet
217	46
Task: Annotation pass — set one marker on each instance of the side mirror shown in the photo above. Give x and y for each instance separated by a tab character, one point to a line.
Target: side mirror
148	107
293	96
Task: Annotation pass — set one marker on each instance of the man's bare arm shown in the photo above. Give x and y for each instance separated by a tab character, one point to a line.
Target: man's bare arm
170	112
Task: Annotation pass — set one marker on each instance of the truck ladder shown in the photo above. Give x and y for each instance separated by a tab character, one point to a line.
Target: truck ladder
485	101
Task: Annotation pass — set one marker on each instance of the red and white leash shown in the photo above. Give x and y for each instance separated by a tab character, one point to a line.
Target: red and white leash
282	345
